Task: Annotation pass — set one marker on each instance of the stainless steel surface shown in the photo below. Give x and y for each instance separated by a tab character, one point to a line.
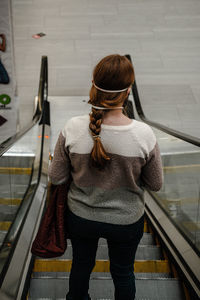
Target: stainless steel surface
180	193
96	275
15	173
21	231
155	289
181	250
147	239
13	282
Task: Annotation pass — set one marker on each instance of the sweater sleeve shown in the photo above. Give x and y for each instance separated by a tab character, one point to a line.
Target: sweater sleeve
152	173
59	170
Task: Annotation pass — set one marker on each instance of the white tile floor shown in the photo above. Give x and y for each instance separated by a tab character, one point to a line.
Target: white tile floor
161	35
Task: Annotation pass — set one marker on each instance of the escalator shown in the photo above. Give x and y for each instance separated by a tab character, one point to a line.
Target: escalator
167	259
23	168
13	183
154	277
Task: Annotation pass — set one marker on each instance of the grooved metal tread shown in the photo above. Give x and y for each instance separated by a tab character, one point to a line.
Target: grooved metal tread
144	252
95	275
8	208
16	161
151	289
17	191
8	214
15	181
147	239
7	217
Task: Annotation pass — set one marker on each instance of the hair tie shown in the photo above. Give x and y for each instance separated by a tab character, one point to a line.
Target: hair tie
110	91
96	136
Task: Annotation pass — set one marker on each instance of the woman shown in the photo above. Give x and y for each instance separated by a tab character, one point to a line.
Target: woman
110	158
4	78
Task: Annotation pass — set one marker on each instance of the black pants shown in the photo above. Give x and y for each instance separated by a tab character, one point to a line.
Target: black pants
122	243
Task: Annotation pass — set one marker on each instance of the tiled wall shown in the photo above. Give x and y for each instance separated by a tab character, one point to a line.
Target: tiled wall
8	85
163	37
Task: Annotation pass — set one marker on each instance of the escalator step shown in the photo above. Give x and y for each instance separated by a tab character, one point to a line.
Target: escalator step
95	275
151	289
16	191
8	212
18	171
14	179
149	252
147	239
10	201
5	225
146	229
17	161
64	265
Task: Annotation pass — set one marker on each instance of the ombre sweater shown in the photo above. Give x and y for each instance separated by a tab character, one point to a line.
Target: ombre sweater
115	194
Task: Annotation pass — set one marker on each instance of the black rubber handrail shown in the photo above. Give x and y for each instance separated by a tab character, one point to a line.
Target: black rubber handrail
38	111
182	136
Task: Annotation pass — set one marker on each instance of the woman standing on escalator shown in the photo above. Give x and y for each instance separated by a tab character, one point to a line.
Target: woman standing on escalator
110	158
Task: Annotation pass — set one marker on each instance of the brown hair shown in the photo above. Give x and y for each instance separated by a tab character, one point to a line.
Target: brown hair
113	72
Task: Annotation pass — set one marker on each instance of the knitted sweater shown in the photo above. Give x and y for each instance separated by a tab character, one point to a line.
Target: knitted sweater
115	194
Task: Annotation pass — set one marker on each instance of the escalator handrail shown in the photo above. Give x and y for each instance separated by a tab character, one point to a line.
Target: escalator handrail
177	242
37	186
182	136
4	146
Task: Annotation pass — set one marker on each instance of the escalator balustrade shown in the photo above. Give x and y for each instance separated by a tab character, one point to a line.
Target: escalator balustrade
15	172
